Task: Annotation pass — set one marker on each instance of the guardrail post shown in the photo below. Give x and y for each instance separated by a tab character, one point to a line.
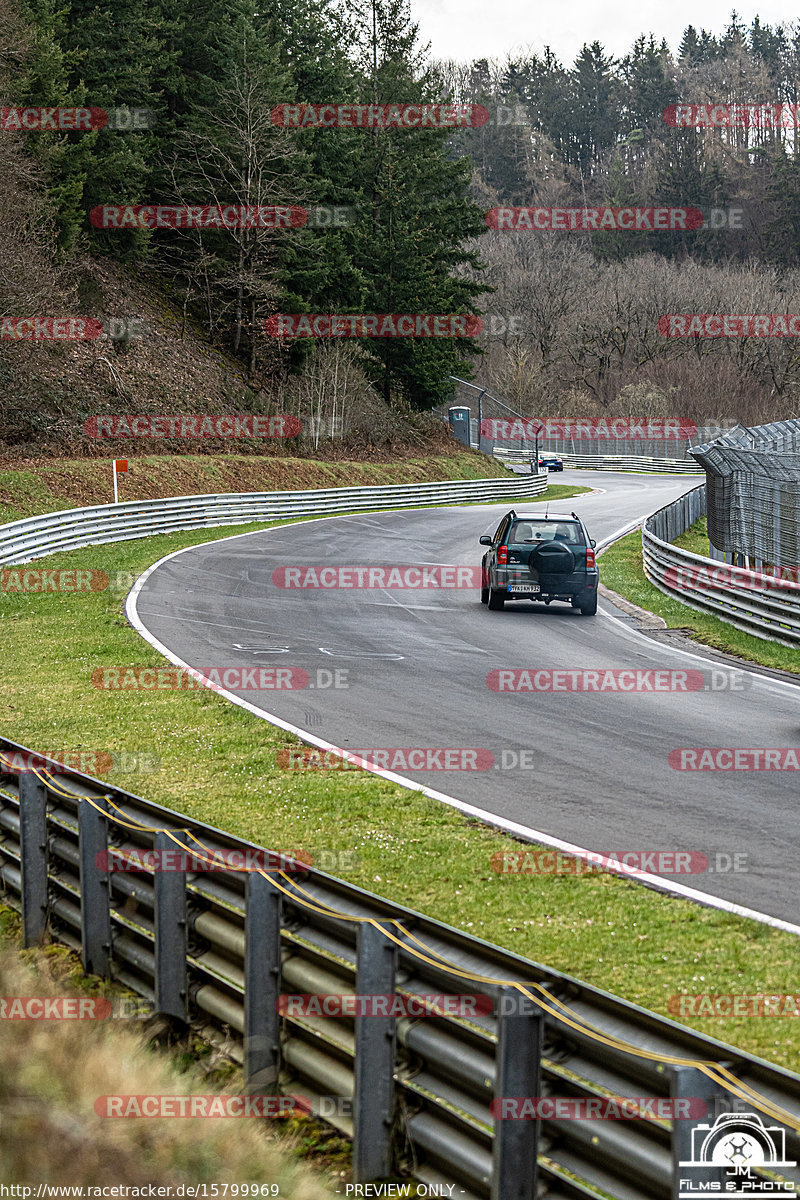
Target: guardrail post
33	857
518	1072
689	1083
262	983
375	1038
95	898
171	931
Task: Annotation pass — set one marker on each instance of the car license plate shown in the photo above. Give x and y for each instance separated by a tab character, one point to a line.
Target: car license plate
524	587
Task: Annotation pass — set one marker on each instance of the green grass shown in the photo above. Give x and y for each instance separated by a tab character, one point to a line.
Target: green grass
695	539
45	485
622	571
218	764
557	491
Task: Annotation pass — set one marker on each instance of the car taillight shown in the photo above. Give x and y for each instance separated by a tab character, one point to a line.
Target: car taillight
590	559
502	556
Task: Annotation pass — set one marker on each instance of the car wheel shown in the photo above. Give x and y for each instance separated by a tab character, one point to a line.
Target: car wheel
495	600
576	602
589	605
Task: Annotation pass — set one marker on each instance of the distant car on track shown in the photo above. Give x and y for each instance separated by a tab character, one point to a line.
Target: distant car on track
547	557
551	462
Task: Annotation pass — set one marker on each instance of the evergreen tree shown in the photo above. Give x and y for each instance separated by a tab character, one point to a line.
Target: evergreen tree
411	243
649	86
782	230
689	51
594	108
119	59
767	45
47	81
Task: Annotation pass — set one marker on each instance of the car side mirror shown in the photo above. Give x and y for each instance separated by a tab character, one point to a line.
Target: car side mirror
486	540
592	542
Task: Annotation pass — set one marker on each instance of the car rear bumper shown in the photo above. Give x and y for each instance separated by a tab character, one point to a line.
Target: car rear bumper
550	588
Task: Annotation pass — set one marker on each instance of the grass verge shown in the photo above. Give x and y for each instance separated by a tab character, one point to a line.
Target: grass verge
555	491
622	571
44	485
218	764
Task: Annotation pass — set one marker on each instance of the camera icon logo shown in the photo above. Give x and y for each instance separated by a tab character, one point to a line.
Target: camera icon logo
738	1141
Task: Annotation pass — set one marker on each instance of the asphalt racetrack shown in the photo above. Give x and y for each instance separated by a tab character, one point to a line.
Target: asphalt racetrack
588	768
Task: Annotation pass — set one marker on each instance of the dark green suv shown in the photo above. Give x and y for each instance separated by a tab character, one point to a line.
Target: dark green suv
546	557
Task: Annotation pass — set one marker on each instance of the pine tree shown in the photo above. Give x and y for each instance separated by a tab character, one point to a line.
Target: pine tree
48	80
782	230
649	86
689	51
411	243
594	108
119	59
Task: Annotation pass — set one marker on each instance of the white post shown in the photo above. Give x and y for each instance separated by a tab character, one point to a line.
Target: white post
116	493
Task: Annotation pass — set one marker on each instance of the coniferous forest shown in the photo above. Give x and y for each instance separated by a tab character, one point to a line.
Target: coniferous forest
570	317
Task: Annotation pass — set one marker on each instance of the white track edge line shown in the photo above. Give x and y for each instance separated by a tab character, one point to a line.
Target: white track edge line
488	818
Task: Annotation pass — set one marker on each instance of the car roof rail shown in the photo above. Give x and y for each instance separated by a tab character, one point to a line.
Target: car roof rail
575	515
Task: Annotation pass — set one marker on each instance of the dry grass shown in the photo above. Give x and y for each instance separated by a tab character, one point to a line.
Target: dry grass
31	486
53	1071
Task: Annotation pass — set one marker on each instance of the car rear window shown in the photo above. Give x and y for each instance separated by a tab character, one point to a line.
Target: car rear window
527	533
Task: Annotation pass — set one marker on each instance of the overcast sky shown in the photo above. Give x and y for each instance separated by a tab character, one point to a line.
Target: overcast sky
468	29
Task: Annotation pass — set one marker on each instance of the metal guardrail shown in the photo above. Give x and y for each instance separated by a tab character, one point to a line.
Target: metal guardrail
216	948
630	462
604	462
756	603
511	458
30	538
513	455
